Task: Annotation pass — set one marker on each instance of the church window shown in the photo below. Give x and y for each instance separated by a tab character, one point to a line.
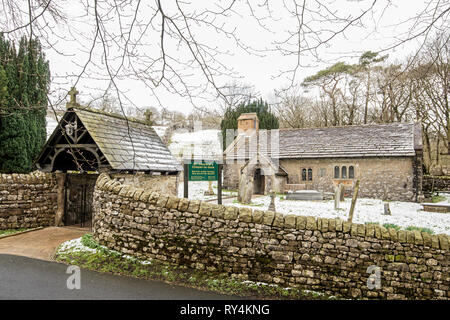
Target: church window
344	172
351	172
303	174
336	172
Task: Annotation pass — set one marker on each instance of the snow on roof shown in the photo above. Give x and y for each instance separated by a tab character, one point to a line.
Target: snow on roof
161	130
374	140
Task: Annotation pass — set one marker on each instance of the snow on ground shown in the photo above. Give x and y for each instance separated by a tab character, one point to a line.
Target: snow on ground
207	144
404	214
197	188
76	245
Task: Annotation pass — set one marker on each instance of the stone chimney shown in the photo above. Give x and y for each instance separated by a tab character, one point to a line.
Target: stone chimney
248	123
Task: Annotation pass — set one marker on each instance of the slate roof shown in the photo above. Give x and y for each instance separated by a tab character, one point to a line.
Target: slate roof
127	146
375	140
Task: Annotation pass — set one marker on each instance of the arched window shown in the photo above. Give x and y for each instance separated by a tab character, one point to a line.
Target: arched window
303	174
344	172
310	174
336	172
351	172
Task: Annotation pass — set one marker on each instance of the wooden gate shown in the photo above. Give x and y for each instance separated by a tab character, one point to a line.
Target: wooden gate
79	198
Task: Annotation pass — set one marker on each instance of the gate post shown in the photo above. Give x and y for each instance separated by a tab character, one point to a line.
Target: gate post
61	180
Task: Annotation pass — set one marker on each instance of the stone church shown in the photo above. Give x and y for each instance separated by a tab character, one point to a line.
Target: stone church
386	158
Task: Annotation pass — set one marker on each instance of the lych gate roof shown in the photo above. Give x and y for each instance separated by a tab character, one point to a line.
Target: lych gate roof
128	145
375	140
118	143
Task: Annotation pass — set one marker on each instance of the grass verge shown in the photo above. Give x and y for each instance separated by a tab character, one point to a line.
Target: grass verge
101	259
8	232
436	199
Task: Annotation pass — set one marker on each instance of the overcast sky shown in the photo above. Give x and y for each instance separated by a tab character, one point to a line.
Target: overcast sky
259	70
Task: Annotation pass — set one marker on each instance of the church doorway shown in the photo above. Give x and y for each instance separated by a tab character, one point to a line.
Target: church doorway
258	182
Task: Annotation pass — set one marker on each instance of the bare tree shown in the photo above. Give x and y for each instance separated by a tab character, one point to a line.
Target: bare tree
394	95
295	110
433	79
163	44
181	48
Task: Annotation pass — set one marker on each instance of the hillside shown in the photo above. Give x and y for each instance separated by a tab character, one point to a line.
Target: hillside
204	143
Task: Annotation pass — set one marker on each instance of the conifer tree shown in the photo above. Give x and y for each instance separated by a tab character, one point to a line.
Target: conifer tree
24	84
267	120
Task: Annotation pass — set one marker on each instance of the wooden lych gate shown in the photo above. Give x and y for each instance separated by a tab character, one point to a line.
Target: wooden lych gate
87	142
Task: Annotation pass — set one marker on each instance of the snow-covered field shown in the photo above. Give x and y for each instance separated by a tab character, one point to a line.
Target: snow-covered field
404	214
206	143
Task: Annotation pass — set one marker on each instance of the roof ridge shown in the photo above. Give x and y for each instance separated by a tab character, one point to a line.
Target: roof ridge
112	115
348	126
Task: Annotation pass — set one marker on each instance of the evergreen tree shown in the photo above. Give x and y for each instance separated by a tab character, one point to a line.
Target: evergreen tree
24	84
267	120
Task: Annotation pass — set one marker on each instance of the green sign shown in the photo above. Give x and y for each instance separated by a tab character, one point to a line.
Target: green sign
203	171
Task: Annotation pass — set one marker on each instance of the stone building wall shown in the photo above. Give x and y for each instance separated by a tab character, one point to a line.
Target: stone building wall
27	200
383	178
231	174
326	255
166	184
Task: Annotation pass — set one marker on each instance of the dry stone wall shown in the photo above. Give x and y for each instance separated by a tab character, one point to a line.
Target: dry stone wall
27	200
326	255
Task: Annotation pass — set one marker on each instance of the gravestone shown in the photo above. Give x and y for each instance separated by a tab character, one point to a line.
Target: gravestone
387	209
272	201
305	195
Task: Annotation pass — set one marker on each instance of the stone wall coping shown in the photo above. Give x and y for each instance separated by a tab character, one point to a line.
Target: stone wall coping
274	219
35	177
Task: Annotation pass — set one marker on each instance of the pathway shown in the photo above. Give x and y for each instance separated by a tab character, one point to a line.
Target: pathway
40	244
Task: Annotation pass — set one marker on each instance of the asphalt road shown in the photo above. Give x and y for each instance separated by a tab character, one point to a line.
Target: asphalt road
26	278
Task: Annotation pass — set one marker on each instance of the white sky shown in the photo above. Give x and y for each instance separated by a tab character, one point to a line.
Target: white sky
254	70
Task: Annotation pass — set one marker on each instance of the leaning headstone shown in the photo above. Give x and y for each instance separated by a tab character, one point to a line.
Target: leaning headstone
337	197
352	207
387	209
341	192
